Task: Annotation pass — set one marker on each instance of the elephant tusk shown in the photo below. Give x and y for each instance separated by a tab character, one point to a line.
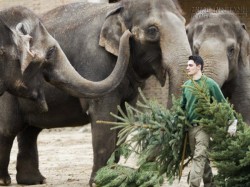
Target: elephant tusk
20	84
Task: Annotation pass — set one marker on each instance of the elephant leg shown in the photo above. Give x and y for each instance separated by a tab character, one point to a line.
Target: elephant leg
103	139
6	143
27	158
10	125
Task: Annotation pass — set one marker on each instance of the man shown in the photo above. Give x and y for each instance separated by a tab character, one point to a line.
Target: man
198	138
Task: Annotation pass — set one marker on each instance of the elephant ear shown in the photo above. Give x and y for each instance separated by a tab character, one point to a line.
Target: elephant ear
6	34
112	30
22	40
245	46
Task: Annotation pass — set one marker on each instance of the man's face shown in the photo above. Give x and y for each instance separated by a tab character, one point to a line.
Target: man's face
192	68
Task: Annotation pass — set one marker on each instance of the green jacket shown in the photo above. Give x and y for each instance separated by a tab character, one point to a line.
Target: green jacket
189	100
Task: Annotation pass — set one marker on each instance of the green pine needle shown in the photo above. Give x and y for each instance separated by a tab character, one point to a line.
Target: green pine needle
156	135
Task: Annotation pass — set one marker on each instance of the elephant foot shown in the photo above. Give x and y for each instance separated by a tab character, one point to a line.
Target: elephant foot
30	178
5	181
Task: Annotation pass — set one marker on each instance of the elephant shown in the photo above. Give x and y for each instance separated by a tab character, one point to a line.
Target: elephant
90	35
29	55
27	51
222	40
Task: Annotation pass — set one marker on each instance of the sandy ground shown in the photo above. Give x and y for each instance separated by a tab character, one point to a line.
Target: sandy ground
66	158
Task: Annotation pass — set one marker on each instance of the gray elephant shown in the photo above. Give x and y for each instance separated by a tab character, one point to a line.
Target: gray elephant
222	40
27	49
27	54
90	35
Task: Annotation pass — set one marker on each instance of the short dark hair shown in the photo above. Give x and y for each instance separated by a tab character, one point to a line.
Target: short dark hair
197	60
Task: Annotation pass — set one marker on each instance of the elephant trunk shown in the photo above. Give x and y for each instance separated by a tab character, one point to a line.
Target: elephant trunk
177	75
175	52
65	77
216	63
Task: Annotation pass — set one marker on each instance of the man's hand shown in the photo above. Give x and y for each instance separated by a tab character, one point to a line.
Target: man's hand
232	127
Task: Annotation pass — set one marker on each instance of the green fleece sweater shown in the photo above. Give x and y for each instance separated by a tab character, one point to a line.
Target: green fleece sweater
188	101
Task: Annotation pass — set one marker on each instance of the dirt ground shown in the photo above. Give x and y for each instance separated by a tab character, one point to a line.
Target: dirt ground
66	158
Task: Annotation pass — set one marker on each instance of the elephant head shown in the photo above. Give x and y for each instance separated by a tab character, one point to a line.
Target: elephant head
28	52
223	42
159	42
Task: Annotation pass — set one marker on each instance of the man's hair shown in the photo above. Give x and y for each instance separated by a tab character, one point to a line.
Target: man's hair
197	60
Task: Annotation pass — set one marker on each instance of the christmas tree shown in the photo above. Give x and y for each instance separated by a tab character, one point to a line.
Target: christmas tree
157	137
230	155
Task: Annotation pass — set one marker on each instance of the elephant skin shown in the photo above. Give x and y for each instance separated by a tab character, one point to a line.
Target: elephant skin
90	35
223	42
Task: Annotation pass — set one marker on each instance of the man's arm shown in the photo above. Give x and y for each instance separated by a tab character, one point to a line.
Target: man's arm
217	93
183	99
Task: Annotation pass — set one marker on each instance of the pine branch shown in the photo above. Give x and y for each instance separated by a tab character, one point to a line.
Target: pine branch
157	138
156	135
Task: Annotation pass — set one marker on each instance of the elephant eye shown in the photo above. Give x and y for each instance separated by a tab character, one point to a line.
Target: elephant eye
152	30
50	52
231	51
152	33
